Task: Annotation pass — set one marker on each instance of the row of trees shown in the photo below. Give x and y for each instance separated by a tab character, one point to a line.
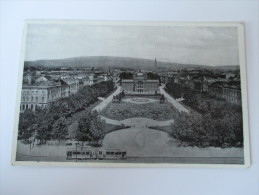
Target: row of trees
51	123
214	121
33	126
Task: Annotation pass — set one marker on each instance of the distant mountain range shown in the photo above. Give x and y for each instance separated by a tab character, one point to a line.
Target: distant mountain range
118	62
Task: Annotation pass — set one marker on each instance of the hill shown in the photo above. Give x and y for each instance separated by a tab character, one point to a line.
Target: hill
118	62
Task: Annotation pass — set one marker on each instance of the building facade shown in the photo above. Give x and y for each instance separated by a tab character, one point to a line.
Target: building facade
140	85
232	95
39	95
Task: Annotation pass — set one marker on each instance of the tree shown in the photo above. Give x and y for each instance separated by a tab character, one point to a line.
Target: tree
26	119
83	128
90	128
44	129
96	128
126	75
60	129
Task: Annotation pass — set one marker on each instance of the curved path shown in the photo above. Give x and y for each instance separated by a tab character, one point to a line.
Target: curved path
141	100
138	122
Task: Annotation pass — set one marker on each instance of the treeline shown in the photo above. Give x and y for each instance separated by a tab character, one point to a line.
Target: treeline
203	130
79	101
213	121
51	123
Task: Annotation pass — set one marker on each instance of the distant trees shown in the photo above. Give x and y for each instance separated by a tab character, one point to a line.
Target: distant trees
153	76
126	75
90	128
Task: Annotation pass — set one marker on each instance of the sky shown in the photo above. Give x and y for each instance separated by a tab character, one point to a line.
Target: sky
183	44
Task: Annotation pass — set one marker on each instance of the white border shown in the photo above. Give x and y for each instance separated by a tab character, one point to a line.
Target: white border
241	43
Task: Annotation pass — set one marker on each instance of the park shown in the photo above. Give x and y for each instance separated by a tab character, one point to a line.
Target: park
140	125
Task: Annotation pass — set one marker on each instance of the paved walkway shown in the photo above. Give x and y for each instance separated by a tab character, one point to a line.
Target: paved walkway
107	100
144	100
170	99
138	122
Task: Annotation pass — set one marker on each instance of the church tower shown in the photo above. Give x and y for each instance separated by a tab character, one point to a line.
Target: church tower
155	63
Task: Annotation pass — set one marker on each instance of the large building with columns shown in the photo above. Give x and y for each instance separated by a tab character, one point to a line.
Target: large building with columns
42	94
140	85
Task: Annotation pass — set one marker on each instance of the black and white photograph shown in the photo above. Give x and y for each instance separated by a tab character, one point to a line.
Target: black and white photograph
120	93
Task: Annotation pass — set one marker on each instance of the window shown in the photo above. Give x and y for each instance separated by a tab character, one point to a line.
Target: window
43	99
36	99
32	98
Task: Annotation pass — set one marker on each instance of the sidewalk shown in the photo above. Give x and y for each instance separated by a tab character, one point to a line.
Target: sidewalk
138	122
170	99
107	100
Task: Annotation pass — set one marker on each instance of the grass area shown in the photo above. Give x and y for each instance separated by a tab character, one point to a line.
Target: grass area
124	110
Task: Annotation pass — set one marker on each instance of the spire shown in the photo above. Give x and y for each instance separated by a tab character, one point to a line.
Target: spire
155	63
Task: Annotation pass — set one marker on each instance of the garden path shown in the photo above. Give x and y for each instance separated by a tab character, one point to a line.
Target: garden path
170	99
139	122
107	100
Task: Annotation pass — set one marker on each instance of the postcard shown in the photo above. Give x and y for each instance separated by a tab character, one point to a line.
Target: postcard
132	94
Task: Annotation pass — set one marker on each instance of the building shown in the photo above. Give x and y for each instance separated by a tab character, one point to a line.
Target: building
140	85
44	93
40	79
39	95
229	91
83	82
232	95
216	89
69	86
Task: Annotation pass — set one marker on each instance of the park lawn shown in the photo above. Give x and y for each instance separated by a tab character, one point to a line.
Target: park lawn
124	110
